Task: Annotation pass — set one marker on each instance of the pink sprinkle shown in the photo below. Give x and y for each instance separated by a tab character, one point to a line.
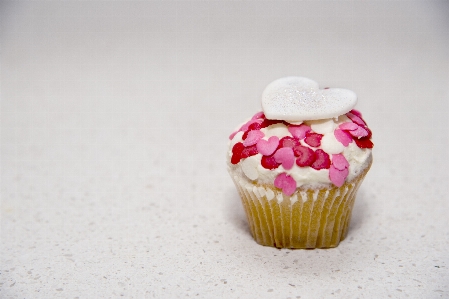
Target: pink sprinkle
343	137
337	176
232	135
285	156
356	119
356	112
299	131
360	132
258	115
348	126
286	183
267	147
253	137
339	161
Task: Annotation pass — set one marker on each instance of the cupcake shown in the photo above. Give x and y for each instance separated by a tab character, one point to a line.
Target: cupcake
298	164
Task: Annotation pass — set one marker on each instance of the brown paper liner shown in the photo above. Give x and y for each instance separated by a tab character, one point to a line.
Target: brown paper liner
310	218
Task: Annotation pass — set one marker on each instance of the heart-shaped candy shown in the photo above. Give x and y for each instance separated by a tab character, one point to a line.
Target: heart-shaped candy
267	147
338	176
253	137
298	99
286	183
343	137
299	131
339	161
285	156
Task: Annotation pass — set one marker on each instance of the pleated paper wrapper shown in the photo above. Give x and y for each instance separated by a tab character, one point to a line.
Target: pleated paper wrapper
310	218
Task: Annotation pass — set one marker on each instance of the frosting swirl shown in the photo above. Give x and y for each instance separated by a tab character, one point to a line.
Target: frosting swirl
313	154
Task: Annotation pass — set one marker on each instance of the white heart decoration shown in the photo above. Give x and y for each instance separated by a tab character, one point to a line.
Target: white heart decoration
297	99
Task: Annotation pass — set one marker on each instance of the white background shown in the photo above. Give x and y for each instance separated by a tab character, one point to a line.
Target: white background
115	119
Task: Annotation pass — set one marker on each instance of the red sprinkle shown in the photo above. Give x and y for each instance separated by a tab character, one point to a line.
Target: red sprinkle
269	122
249	151
364	142
356	112
306	155
235	158
238	148
369	132
322	160
269	162
313	139
237	152
254	126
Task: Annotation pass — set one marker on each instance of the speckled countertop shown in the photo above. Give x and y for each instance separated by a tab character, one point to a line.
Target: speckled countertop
114	126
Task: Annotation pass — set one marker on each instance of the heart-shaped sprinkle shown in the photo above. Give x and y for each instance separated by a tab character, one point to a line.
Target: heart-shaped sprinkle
339	161
267	147
268	122
356	119
250	122
237	152
288	141
313	139
249	168
298	99
253	137
343	137
359	132
254	126
299	131
356	112
306	155
269	162
286	183
285	156
348	126
337	176
249	151
369	132
322	160
364	142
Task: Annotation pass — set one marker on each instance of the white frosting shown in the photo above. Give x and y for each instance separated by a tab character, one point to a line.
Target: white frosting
251	168
275	130
322	126
297	99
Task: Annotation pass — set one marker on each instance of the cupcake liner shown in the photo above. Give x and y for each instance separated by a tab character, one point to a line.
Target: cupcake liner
310	218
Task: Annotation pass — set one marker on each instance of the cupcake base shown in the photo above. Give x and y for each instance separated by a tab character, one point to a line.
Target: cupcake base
310	218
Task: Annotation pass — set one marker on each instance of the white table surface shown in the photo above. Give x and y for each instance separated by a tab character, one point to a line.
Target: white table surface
114	125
